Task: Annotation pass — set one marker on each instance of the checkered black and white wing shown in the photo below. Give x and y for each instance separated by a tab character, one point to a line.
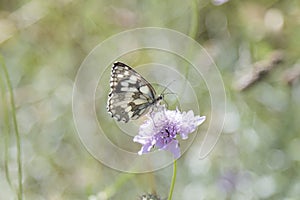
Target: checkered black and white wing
131	95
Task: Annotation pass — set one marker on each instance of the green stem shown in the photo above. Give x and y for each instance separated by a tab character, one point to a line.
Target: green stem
194	19
173	180
15	124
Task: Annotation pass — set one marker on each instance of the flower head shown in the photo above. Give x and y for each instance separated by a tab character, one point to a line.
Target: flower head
162	127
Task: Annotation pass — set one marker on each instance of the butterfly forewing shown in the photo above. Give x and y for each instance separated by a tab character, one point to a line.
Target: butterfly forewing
131	95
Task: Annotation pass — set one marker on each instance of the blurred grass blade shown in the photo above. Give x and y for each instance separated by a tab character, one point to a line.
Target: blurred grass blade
15	125
5	129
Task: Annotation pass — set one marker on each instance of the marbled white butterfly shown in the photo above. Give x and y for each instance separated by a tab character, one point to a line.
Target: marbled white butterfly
131	95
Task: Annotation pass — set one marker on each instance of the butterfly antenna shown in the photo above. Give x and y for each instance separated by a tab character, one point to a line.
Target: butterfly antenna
162	93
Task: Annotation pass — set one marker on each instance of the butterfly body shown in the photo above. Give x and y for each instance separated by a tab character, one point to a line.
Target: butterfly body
131	96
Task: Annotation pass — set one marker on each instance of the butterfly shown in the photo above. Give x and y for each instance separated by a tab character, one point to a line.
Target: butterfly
131	95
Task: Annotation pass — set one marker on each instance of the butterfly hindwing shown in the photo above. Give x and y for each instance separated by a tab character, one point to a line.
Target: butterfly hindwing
131	95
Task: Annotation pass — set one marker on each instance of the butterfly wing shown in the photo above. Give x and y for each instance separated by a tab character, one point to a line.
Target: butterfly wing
131	95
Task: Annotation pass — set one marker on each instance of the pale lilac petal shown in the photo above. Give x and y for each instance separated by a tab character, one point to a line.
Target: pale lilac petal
145	148
190	123
141	139
173	147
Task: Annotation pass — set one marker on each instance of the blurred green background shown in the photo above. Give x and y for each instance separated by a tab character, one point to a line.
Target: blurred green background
258	154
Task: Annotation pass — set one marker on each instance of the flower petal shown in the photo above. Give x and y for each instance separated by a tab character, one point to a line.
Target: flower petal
190	123
174	148
145	148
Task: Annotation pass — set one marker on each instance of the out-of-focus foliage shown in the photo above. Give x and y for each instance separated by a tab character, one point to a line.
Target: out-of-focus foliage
257	156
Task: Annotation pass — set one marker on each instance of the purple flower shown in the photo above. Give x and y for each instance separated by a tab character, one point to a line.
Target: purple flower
162	127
